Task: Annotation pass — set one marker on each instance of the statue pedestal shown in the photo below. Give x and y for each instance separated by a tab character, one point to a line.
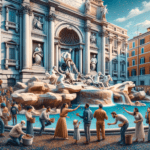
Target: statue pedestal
26	74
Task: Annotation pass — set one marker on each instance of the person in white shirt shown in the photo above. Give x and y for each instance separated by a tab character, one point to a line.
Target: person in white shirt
124	125
16	134
44	118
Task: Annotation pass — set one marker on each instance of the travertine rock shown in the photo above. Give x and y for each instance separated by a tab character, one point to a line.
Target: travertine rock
70	88
19	85
137	95
25	98
33	79
96	95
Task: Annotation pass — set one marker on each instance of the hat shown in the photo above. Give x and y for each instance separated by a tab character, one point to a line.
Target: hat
75	121
3	105
23	122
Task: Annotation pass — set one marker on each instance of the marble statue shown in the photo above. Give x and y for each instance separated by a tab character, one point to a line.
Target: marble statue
37	23
96	79
106	80
93	63
87	6
38	55
104	11
68	61
93	38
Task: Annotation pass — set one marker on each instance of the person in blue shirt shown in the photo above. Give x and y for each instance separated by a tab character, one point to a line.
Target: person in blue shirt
87	118
14	110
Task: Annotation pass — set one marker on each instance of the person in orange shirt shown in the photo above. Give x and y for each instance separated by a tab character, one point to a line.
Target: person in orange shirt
1	83
100	116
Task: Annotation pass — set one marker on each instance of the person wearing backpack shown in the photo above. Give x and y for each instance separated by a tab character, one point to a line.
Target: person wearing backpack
147	117
14	111
87	118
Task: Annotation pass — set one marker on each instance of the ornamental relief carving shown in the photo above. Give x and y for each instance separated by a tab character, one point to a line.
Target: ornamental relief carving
38	23
93	38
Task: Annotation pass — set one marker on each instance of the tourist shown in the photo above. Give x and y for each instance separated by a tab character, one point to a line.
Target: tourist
4	99
5	113
124	125
76	130
28	114
1	83
2	92
87	118
100	115
139	130
16	134
44	118
14	111
61	127
147	117
1	121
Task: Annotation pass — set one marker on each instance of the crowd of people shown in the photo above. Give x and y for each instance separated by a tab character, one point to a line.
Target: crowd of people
10	109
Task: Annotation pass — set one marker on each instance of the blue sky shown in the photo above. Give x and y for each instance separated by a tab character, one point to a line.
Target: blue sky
129	14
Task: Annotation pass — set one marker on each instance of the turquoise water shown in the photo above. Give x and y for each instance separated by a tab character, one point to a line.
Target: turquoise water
118	108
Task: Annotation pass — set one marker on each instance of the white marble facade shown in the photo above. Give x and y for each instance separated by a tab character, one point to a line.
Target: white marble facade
58	26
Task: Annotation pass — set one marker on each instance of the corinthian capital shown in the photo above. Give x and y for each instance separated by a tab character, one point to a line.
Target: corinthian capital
26	9
87	28
103	33
51	17
110	39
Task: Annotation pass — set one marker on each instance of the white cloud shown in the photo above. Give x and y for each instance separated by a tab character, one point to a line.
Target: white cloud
135	12
144	24
129	24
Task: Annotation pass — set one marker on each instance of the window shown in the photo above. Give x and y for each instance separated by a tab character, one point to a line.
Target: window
134	82
133	53
123	67
106	40
107	65
133	62
122	32
127	54
142	71
133	44
115	43
114	29
128	74
133	72
11	82
142	50
12	15
142	60
11	53
142	83
128	64
142	41
115	67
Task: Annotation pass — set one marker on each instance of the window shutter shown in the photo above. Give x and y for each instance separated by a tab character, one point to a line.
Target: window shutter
143	41
140	61
144	59
144	71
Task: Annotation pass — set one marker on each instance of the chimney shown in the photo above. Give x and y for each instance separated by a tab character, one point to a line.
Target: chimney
148	29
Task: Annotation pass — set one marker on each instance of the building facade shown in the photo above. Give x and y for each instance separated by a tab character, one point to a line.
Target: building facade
35	33
139	59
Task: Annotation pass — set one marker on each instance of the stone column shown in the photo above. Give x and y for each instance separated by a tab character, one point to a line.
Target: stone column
126	67
99	53
51	17
80	59
17	61
1	6
119	59
26	36
110	55
86	52
59	53
7	56
57	56
72	54
103	50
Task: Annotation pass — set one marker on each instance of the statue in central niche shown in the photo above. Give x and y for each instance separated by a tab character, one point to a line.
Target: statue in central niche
68	61
87	6
38	55
104	11
93	63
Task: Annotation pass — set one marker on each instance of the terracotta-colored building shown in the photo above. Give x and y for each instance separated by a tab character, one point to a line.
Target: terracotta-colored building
139	59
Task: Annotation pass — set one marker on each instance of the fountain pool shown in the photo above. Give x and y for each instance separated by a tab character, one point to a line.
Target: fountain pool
72	115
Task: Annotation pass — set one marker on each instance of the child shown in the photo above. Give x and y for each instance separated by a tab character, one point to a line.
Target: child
76	130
